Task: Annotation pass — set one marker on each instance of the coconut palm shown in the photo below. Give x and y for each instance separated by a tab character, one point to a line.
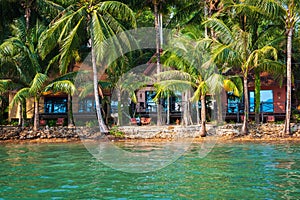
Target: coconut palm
87	21
19	59
288	13
256	19
233	48
4	87
41	83
190	54
33	76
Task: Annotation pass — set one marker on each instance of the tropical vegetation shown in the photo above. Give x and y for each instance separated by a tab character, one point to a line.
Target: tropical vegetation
42	40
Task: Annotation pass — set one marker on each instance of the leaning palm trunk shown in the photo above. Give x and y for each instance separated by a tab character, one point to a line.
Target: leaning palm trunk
287	128
197	112
257	95
185	120
246	106
108	107
70	111
20	123
157	35
36	114
120	120
190	120
102	126
24	114
203	117
168	109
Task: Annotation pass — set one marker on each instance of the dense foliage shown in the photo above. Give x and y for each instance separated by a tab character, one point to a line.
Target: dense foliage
242	37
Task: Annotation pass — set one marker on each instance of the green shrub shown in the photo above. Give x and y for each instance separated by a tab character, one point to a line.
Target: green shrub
51	122
116	132
92	123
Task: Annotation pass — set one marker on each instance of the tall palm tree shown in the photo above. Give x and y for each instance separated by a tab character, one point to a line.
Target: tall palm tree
190	53
33	76
88	20
19	53
159	8
233	47
289	15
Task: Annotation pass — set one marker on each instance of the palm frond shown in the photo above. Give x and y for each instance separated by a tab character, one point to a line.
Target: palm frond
71	76
19	28
4	85
85	90
119	10
221	29
37	83
201	90
173	75
20	96
58	30
174	85
65	86
69	44
214	83
49	9
98	35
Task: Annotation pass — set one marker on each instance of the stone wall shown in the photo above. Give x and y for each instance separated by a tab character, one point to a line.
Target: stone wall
263	131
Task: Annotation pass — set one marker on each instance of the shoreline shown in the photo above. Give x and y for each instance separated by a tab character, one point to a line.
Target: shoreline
219	140
268	132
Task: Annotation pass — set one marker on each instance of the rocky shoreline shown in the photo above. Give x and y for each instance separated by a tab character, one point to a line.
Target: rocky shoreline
231	132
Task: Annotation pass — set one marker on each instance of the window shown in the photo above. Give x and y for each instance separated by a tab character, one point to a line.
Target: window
87	105
176	103
251	101
150	104
55	105
266	101
232	103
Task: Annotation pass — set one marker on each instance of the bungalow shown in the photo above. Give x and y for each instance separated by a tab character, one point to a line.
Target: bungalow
53	106
272	101
56	105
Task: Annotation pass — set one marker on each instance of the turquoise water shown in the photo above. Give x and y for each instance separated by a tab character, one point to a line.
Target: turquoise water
230	171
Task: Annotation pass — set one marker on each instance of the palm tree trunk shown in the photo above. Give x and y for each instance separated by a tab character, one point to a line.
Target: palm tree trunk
197	112
70	110
185	109
287	127
20	114
257	95
203	117
190	119
244	130
119	108
107	111
102	126
157	35
36	114
24	114
168	109
27	17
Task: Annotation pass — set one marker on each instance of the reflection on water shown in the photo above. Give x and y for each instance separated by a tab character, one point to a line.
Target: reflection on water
229	171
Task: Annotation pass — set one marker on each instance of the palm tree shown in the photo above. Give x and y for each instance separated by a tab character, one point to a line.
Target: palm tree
233	47
284	14
19	53
92	21
33	76
41	83
290	18
189	53
4	87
